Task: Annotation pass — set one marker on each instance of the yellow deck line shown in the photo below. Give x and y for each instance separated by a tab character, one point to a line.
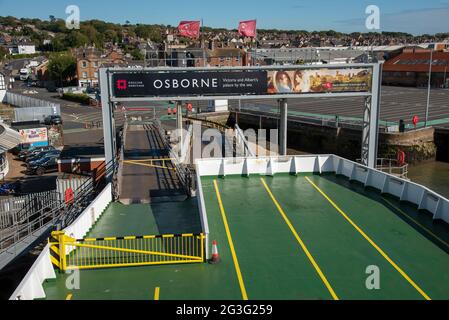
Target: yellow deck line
156	293
367	238
148	165
417	223
69	296
231	243
301	243
149	160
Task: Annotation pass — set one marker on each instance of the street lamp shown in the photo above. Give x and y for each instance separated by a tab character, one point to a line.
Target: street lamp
428	88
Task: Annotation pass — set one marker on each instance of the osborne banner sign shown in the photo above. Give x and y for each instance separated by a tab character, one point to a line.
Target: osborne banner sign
189	83
258	82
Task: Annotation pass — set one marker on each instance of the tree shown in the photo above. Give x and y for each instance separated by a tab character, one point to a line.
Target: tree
3	53
143	31
58	43
75	39
137	54
62	67
56	26
112	36
94	37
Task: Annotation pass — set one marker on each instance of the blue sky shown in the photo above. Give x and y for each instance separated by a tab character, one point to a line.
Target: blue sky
413	16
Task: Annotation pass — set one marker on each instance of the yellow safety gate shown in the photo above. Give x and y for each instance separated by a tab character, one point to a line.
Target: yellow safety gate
91	253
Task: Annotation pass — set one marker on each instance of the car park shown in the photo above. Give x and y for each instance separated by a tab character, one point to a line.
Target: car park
44	154
25	154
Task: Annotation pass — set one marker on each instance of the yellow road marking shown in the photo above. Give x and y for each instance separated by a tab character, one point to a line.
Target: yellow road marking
416	222
69	296
367	238
156	293
301	243
231	243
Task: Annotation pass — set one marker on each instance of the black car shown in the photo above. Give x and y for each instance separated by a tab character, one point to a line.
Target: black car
43	154
22	148
47	164
53	120
23	155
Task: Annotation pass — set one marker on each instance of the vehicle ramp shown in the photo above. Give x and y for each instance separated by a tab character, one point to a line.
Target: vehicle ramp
148	174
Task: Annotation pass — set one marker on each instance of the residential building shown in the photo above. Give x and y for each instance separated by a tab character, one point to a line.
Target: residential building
88	62
22	48
40	68
5	38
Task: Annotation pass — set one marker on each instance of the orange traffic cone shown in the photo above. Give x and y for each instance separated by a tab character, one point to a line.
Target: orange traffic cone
215	257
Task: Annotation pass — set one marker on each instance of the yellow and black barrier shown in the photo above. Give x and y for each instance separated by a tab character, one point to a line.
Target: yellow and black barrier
57	242
91	253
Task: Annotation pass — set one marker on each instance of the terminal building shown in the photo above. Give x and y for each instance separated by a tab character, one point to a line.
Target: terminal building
9	139
2	87
411	68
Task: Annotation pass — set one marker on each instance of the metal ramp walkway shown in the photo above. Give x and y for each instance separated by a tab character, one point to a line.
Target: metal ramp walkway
148	174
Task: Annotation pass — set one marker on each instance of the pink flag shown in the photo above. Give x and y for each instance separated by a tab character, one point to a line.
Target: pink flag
247	28
189	29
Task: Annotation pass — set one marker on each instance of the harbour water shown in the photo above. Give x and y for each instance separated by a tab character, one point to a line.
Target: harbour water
434	175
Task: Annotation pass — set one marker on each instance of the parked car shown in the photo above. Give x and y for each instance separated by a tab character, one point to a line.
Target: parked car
92	90
23	155
53	120
52	88
44	154
21	148
44	165
8	188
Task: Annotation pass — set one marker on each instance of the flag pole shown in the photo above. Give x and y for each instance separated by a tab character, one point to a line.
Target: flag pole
202	42
255	44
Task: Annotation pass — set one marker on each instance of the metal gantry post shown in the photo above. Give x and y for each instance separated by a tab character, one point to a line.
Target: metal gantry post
371	120
366	130
283	127
179	125
107	110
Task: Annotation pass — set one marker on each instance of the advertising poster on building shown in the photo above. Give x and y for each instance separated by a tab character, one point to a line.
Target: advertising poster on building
319	81
36	137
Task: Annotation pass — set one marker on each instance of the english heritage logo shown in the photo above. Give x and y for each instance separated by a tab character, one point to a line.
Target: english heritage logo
122	84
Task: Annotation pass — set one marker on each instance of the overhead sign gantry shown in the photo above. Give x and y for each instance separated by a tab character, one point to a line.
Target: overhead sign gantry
240	83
